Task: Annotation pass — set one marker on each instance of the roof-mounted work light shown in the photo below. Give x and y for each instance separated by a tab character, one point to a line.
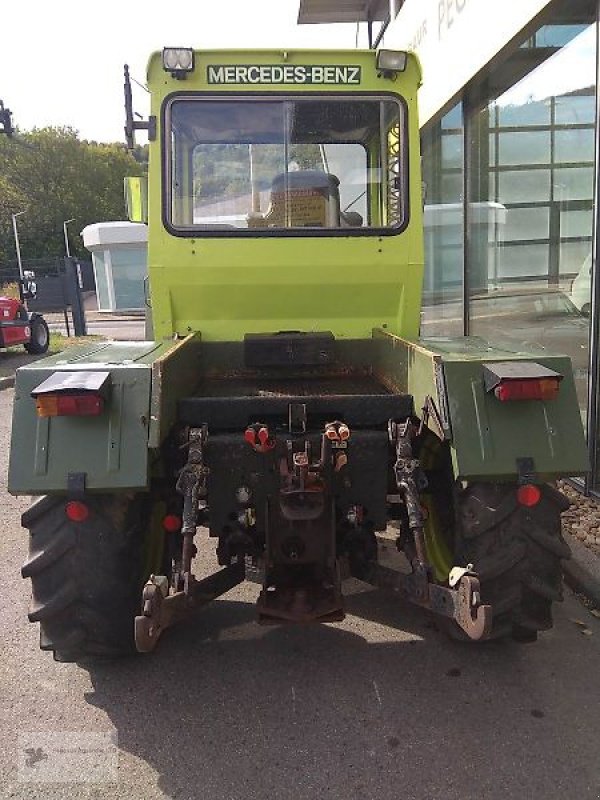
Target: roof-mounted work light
391	61
178	61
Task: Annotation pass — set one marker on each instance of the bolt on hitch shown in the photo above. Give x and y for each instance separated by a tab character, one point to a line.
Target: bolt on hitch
461	602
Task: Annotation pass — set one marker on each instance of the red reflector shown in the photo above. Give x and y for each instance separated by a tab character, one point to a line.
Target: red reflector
69	405
250	436
527	389
529	495
172	523
77	511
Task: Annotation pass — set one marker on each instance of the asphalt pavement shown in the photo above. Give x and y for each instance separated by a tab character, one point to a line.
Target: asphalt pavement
382	706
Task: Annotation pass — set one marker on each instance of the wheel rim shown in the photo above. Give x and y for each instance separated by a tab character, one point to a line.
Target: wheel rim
40	334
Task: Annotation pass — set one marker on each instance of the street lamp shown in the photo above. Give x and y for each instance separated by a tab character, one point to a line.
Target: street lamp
17	243
65	223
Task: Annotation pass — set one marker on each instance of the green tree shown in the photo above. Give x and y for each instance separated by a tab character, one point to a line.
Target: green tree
53	175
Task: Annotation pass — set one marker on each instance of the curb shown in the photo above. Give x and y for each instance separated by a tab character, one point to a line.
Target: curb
7	383
582	570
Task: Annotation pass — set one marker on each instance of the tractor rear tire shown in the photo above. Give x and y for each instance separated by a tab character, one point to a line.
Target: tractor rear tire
39	340
86	576
516	551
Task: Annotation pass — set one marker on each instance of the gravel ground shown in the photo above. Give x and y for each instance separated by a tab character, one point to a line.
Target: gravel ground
582	520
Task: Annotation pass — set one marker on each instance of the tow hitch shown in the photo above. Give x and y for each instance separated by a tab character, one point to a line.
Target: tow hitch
302	534
462	601
462	604
161	610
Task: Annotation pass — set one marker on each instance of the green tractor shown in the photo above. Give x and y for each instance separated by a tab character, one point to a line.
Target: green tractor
285	406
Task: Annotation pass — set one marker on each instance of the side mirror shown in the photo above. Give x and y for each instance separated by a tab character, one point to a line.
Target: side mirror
136	199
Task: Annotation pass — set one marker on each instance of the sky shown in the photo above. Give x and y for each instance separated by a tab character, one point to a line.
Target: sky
61	61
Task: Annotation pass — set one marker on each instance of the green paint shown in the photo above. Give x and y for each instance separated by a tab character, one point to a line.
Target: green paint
227	287
488	436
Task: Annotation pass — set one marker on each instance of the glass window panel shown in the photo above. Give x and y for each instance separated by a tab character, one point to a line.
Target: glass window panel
576	144
520	116
129	269
453	119
452	187
527	294
574	183
452	149
576	223
101	280
556	35
575	109
515	148
269	163
527	223
523	261
443	228
523	186
573	256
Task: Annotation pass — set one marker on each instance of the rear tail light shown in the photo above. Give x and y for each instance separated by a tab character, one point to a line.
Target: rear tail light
77	511
529	495
527	389
86	404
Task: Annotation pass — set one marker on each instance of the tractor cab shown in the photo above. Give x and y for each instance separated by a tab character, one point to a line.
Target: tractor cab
274	179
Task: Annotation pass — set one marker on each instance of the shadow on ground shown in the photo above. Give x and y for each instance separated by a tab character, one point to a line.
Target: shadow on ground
225	709
11	360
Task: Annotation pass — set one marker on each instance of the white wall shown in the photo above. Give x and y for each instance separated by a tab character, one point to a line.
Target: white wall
455	39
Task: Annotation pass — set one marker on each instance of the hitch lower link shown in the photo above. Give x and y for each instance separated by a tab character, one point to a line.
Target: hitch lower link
461	601
163	606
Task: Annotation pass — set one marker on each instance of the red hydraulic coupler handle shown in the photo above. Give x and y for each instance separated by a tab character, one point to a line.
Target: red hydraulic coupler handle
337	434
259	438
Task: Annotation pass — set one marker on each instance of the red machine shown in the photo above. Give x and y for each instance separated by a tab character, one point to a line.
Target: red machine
20	326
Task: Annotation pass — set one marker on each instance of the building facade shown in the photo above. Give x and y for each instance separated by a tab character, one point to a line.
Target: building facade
509	121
